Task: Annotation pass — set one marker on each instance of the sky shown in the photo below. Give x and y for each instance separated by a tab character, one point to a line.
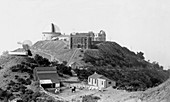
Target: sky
140	25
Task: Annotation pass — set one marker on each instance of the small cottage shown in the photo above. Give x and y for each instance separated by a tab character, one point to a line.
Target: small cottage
100	81
47	76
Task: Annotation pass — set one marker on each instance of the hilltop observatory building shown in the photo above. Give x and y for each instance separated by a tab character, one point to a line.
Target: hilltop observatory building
50	32
75	40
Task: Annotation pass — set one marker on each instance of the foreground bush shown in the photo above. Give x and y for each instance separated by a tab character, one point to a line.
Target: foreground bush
90	98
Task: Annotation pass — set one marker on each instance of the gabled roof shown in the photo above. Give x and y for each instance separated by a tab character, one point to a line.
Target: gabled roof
45	69
98	76
54	77
95	76
48	73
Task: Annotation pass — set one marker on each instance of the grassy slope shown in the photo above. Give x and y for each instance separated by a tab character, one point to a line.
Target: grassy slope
160	93
7	75
58	49
110	49
7	62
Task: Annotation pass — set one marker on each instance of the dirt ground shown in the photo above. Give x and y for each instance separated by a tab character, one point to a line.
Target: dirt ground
108	95
68	95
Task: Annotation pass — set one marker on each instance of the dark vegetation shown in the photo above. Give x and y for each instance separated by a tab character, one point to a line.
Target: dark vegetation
5	95
41	61
129	70
17	87
90	98
61	68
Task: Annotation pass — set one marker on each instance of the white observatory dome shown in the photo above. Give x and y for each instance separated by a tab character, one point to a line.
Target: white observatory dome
52	28
51	31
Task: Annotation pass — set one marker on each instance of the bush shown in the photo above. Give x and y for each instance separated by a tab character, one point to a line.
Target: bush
5	95
22	68
90	98
11	83
16	76
41	61
61	68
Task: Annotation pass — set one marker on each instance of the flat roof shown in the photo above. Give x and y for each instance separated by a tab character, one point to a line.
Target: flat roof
47	81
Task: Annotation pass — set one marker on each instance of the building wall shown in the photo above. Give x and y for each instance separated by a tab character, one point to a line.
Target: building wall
101	83
95	82
100	37
90	81
64	38
110	83
57	85
49	36
77	41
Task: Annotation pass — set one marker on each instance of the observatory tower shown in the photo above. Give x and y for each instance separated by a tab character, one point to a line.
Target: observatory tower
50	32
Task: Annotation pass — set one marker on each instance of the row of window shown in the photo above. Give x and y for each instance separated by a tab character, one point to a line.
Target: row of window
95	81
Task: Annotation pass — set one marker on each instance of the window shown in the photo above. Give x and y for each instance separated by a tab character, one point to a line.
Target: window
89	79
102	82
109	82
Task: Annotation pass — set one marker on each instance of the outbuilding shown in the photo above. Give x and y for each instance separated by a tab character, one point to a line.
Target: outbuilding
47	76
100	81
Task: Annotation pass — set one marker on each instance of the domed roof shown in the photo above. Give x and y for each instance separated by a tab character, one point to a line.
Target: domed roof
102	32
52	29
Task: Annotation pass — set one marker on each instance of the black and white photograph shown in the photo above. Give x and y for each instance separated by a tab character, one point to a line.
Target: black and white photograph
85	51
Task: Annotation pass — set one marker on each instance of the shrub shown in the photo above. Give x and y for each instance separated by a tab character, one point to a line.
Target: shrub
28	81
90	98
22	81
41	61
11	83
5	95
61	68
16	76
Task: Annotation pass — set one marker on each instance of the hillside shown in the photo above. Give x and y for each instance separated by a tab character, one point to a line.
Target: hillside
115	55
17	82
109	59
130	70
56	50
160	93
109	52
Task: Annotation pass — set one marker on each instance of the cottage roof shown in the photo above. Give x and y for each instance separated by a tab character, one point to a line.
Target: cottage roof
95	76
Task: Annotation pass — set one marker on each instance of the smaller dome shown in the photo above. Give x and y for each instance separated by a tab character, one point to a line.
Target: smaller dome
27	42
102	32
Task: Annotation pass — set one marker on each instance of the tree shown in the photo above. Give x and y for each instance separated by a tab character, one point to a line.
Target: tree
140	55
41	61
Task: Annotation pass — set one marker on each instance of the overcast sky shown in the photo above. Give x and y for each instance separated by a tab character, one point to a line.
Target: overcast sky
140	25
